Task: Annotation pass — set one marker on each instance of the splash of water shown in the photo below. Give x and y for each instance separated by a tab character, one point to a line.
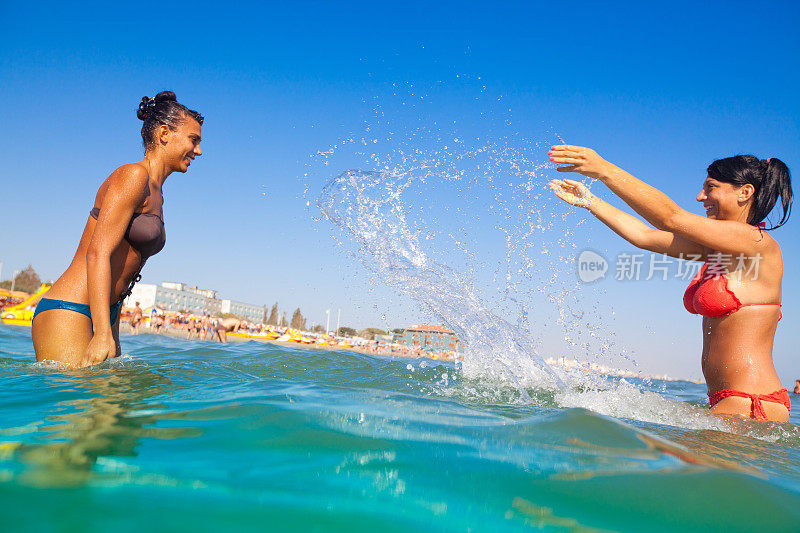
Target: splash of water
368	206
453	211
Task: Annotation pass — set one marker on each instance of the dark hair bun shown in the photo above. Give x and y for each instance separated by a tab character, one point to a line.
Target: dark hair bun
148	103
166	96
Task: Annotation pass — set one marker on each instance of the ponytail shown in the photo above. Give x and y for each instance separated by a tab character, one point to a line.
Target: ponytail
777	182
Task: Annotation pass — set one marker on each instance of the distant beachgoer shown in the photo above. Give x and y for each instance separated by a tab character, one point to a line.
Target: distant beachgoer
157	321
225	326
190	326
136	319
205	326
78	323
738	289
797	386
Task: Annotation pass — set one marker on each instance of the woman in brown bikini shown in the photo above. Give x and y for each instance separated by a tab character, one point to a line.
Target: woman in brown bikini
78	323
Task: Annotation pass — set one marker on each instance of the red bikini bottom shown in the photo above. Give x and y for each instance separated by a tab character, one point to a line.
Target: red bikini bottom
756	409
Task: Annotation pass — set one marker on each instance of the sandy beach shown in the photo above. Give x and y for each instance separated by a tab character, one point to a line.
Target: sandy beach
233	337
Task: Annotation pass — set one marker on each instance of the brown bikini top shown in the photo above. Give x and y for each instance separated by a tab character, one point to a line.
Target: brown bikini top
145	233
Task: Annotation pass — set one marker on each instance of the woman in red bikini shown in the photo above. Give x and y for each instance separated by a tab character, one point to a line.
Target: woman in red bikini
738	290
78	323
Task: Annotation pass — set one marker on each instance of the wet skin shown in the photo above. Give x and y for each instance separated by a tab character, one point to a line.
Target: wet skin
105	263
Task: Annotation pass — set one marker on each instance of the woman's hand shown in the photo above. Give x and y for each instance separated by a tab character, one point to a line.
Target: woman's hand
581	160
573	192
101	347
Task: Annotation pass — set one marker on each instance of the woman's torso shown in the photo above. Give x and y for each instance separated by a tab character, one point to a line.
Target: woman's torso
126	260
737	348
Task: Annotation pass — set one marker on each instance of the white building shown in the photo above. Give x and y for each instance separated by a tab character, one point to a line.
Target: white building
174	297
183	287
181	297
253	313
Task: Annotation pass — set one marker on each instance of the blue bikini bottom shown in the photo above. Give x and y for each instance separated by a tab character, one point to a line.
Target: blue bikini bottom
45	304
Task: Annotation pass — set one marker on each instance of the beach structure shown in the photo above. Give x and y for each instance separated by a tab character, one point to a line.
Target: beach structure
252	312
182	297
428	337
20	313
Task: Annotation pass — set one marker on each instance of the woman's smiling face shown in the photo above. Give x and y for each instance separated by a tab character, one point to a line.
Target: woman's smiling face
723	201
183	144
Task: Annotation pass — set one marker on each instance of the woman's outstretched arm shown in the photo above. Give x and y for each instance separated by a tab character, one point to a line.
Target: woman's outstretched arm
726	236
627	226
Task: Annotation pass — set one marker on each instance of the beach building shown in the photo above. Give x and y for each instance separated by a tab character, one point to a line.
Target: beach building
253	313
428	338
174	297
182	297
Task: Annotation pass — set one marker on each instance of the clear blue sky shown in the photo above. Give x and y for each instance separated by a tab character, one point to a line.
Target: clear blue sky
660	89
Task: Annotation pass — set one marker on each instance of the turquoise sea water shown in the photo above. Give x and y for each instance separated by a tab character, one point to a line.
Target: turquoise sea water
181	435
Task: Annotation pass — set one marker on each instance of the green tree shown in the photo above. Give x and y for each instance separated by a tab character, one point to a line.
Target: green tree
273	315
319	328
399	331
27	280
298	322
370	333
346	332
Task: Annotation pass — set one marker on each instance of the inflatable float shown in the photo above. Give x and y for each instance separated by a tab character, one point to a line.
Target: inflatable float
22	313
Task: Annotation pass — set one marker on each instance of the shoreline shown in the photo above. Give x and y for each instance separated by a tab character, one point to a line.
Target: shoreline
181	334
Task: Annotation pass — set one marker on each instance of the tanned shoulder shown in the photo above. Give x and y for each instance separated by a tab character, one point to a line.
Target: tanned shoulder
131	173
132	178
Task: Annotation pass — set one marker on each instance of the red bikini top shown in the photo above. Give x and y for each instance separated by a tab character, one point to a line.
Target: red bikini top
710	296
